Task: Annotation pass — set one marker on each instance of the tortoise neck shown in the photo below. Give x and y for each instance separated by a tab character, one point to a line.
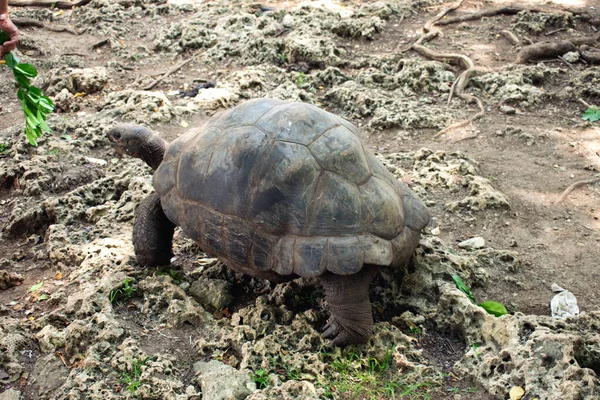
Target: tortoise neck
153	151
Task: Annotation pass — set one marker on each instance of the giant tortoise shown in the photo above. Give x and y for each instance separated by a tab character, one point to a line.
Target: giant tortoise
279	190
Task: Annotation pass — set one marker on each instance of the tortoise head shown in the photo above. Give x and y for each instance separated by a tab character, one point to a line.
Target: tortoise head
139	142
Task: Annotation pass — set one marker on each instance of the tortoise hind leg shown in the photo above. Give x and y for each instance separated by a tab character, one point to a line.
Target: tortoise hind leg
152	233
351	320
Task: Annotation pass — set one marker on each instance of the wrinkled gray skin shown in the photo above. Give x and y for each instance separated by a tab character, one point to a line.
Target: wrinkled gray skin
279	190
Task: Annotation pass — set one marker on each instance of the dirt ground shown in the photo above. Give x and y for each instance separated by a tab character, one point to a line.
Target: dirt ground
529	146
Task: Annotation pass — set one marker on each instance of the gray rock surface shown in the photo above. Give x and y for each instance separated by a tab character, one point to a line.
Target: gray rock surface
10	394
223	382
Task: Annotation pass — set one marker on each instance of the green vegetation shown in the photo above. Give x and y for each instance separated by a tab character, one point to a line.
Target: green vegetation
174	274
261	378
301	79
492	307
35	105
125	292
592	114
132	377
357	377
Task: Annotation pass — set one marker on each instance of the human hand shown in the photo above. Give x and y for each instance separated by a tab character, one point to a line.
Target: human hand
7	26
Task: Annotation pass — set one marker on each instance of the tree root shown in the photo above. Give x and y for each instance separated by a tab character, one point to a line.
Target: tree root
170	72
468	99
463	80
542	50
511	38
503	10
30	22
63	4
590	54
574	186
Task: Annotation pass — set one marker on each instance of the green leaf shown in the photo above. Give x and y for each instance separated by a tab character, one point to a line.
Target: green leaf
11	60
36	287
592	114
46	105
494	308
27	70
30	135
43	296
36	91
22	81
4	37
462	287
42	122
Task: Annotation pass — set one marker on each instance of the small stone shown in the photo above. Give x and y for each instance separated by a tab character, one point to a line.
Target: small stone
473	243
572	56
435	231
10	394
213	374
213	293
508	110
288	21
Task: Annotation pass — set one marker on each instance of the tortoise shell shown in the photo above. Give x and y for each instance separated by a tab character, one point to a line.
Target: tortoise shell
288	188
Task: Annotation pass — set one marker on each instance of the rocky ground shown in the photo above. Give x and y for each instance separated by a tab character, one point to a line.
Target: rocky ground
79	320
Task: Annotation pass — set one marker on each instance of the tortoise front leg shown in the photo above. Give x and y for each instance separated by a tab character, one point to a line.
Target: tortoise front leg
351	320
152	233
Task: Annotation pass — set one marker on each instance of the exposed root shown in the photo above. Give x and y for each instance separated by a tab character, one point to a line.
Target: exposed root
468	99
590	54
63	4
170	72
555	31
503	10
463	80
28	22
585	103
466	138
544	50
574	186
511	38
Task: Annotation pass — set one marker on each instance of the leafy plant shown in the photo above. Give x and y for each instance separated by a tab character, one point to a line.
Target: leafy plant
462	287
301	78
172	273
132	378
492	307
125	291
377	366
35	105
283	58
4	147
592	114
261	378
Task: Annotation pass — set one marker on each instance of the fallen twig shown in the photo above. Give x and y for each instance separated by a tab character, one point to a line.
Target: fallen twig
568	64
554	31
63	4
574	186
170	72
585	103
27	22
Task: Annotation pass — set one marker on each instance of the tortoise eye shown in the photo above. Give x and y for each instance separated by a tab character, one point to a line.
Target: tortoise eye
116	135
